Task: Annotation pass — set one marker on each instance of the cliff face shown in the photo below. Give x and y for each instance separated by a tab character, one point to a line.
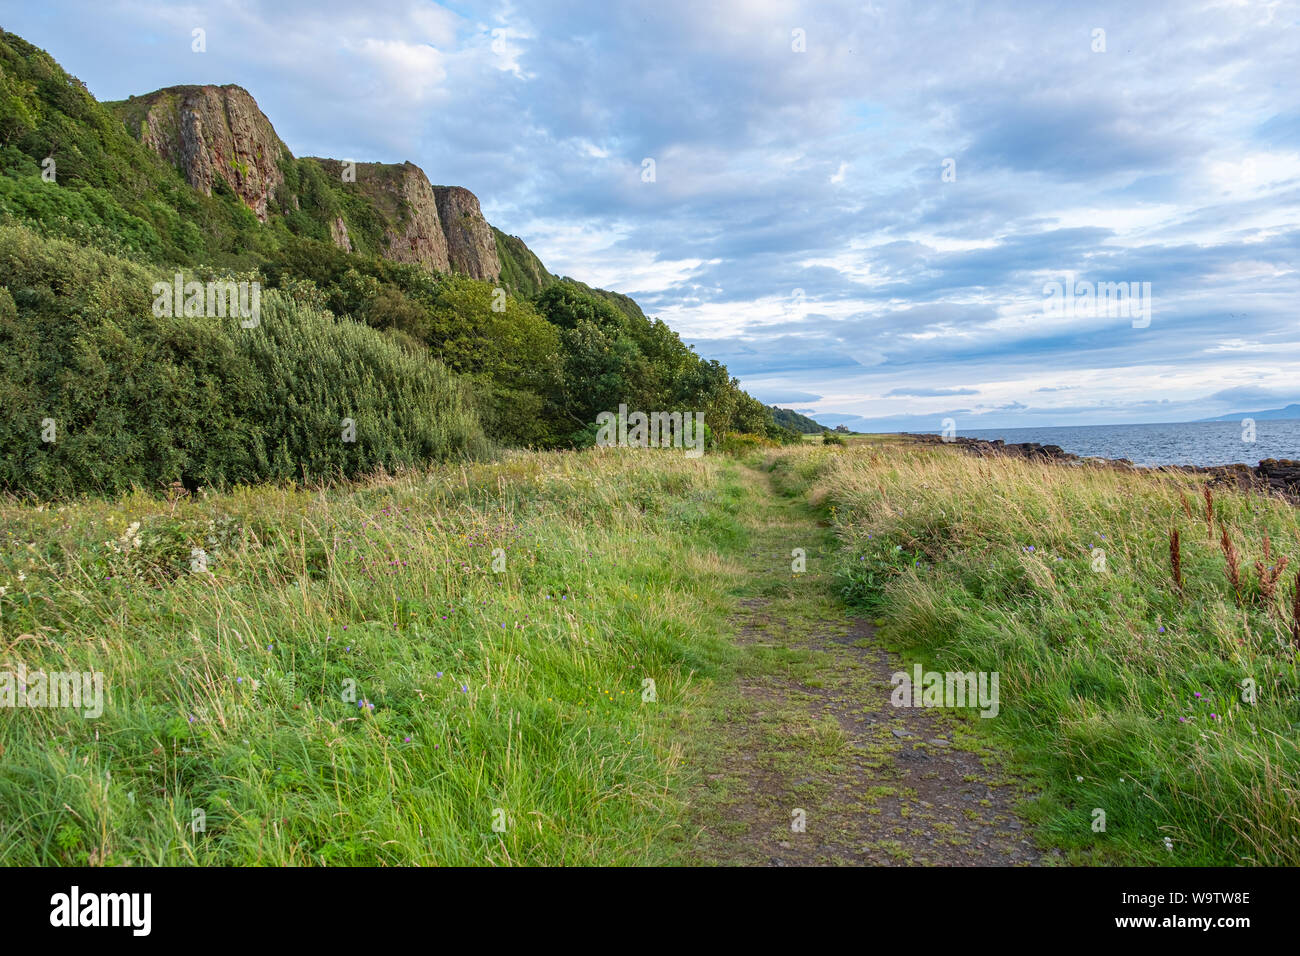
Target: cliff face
214	133
471	246
211	133
417	235
438	227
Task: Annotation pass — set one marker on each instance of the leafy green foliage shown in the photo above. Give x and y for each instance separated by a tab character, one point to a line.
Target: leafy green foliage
135	399
522	273
789	418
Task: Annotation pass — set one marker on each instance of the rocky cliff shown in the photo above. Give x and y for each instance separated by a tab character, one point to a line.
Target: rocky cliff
218	133
471	246
438	227
211	133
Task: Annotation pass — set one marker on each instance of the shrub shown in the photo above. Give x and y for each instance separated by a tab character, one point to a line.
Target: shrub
137	400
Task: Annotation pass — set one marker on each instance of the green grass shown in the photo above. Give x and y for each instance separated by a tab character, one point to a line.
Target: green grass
226	690
1118	691
245	692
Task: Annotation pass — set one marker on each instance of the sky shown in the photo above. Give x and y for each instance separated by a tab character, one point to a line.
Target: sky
857	207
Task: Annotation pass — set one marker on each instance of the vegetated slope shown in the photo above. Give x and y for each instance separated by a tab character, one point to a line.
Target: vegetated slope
789	418
195	179
1169	703
111	190
521	270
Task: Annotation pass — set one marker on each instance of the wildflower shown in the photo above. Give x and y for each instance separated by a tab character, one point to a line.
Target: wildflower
1079	779
1162	630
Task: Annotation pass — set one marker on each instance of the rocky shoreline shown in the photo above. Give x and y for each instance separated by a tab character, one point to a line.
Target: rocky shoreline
1270	476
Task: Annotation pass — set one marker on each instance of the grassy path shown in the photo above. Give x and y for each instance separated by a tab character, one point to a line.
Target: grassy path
607	658
805	733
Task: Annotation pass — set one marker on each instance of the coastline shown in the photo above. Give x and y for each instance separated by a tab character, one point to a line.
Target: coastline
1280	476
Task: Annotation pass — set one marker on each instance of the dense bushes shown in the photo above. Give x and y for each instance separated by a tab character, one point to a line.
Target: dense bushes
542	367
316	371
138	400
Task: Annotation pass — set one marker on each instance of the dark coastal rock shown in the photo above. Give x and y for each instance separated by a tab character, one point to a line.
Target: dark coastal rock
1270	476
998	448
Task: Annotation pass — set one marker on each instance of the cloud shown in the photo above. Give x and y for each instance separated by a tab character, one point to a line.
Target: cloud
786	399
1172	158
923	392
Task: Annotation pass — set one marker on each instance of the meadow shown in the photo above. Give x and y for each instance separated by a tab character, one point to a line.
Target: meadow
1166	709
511	662
478	664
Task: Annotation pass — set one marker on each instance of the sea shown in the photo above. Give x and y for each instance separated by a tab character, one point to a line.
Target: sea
1173	443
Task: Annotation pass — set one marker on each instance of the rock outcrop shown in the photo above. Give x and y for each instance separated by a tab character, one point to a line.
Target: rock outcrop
1279	476
440	228
211	133
999	448
339	234
218	134
471	246
403	200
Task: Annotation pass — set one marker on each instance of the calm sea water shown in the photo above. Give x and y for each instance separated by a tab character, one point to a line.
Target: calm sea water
1178	443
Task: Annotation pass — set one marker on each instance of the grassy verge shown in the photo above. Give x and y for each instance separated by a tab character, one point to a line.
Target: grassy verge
351	681
1173	711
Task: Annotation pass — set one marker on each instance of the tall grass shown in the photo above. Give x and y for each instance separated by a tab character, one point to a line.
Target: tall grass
517	698
1174	710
